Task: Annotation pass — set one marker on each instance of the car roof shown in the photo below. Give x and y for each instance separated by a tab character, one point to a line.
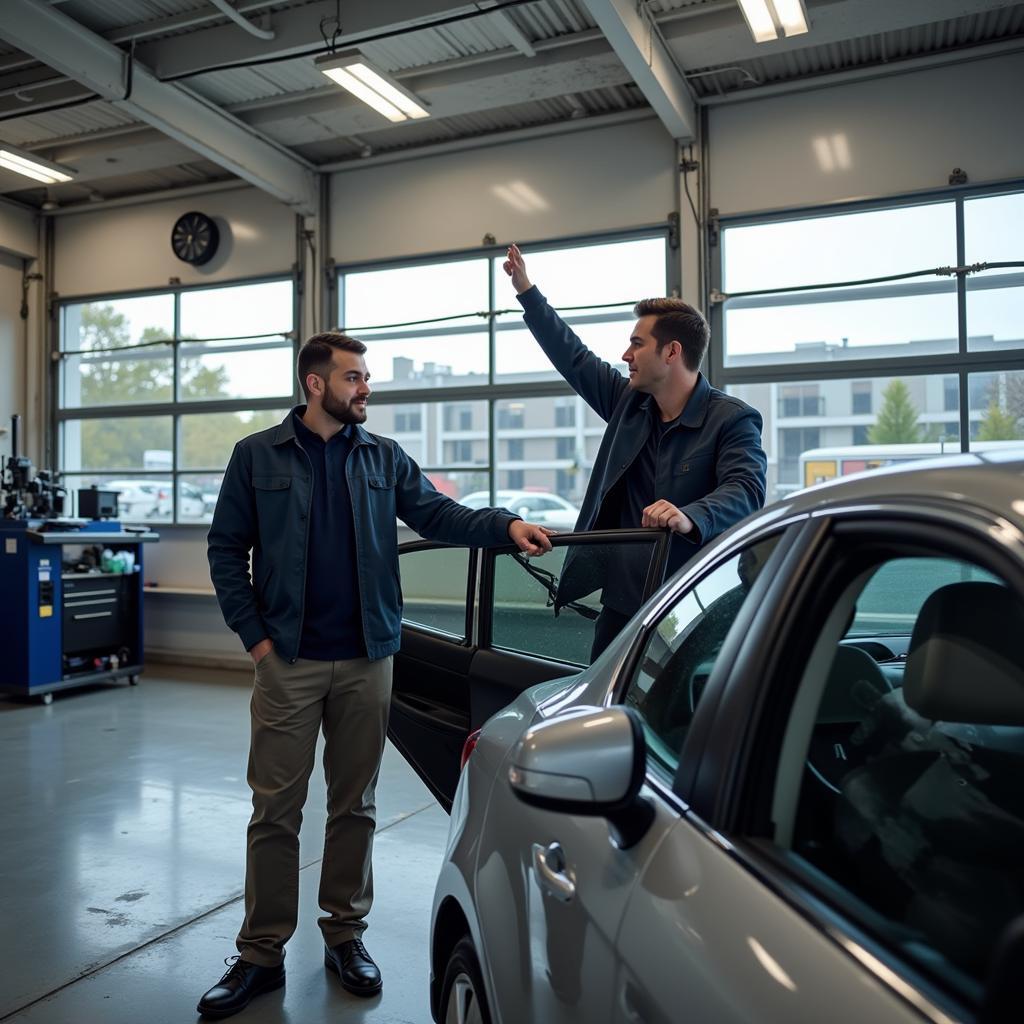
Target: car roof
991	480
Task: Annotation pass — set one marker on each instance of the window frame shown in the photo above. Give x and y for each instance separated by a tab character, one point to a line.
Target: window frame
491	390
960	363
657	540
177	407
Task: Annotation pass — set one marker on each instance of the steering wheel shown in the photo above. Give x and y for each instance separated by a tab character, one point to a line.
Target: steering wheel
855	685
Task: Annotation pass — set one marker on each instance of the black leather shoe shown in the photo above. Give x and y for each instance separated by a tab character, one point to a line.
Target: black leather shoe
242	983
350	961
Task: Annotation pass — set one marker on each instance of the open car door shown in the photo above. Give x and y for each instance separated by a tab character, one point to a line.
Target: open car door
480	626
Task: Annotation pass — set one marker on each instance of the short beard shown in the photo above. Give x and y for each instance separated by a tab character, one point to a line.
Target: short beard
343	412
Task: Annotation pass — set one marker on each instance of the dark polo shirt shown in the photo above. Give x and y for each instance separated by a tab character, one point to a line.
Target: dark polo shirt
331	626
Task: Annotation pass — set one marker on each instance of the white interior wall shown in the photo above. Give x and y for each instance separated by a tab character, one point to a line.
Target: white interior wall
18	230
589	181
904	133
129	247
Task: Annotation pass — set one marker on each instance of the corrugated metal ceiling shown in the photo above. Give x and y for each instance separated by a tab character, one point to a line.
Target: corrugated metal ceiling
59	124
863	51
318	136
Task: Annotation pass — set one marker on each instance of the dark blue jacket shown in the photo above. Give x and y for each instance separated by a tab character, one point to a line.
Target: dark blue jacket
264	507
716	465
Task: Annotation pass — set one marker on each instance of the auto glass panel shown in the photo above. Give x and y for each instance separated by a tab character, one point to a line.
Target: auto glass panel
536	613
889	604
434	584
910	798
682	649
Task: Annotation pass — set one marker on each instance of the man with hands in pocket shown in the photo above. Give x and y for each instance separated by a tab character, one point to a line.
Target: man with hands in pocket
315	501
677	453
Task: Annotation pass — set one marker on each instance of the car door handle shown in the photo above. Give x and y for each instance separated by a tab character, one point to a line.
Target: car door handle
552	875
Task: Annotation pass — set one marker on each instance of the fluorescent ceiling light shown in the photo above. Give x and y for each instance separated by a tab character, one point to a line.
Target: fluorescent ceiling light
352	71
792	16
765	17
759	20
33	167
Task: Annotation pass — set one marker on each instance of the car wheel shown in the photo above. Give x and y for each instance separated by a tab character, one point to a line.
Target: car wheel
462	995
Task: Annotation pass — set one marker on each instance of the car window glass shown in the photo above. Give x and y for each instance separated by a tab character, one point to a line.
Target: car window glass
909	792
681	651
434	586
547	606
890	602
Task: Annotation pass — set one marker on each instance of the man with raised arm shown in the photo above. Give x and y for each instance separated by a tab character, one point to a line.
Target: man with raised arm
677	452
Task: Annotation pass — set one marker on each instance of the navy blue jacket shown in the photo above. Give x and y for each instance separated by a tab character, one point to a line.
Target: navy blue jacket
715	469
264	507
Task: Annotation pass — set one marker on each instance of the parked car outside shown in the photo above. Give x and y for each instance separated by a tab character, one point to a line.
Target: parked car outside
542	507
789	791
146	498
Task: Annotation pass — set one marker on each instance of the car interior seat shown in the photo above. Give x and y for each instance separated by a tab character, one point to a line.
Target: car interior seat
932	824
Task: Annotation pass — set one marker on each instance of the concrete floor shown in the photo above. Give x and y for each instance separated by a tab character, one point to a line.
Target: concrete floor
122	851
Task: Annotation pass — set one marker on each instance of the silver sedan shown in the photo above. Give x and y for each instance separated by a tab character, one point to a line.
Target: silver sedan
788	791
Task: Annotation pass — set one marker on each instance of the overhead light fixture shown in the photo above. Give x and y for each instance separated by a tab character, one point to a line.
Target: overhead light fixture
377	89
32	166
766	17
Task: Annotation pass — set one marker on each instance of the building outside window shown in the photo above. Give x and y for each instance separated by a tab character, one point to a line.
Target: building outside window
565	413
408	422
155	389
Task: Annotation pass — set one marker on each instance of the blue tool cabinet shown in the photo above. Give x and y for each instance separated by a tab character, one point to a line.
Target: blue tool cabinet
60	629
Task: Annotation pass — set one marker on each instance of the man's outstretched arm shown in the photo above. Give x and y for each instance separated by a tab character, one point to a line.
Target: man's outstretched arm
589	376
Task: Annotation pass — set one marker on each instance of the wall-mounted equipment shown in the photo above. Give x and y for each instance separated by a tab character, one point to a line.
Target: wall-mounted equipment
194	238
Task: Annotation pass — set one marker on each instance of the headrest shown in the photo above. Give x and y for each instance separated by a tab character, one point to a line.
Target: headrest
966	657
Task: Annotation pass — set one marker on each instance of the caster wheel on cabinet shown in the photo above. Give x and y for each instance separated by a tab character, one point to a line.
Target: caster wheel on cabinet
47	698
133	680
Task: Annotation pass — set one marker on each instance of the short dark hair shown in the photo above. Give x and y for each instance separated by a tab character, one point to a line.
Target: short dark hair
677	321
316	355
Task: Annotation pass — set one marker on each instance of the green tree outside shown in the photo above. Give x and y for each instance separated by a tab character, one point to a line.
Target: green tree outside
998	424
146	376
897	419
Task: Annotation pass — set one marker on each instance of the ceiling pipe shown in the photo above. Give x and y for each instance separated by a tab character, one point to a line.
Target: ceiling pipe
242	21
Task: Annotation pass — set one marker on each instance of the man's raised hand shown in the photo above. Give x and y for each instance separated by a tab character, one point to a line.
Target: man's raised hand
515	267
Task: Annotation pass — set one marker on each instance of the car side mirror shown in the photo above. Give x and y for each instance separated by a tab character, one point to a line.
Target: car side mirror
1004	989
589	762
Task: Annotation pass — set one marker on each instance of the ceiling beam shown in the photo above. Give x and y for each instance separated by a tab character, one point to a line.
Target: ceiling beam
296	30
632	31
178	113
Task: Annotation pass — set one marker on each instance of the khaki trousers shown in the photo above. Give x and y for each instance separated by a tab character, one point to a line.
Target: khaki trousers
290	703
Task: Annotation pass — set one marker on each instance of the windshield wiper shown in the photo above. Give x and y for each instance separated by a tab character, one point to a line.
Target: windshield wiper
549	581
